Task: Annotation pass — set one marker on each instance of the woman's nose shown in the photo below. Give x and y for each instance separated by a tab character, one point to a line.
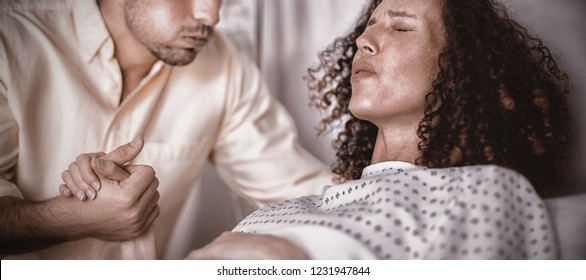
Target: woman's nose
365	45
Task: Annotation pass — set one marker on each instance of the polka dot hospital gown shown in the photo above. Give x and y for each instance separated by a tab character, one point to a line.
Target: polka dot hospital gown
398	210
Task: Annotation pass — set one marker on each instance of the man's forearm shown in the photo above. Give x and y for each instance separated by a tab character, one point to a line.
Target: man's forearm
30	226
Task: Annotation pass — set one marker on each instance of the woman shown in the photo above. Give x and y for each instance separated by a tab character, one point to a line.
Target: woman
456	122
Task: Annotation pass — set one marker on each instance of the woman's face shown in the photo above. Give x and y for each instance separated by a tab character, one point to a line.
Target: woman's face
397	61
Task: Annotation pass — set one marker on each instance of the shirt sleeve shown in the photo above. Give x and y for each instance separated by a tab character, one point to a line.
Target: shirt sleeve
8	148
257	152
323	243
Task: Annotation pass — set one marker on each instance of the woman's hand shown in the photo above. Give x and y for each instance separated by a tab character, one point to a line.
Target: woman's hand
81	178
248	246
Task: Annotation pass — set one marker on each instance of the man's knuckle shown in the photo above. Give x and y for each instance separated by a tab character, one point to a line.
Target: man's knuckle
130	217
144	168
150	171
128	202
134	217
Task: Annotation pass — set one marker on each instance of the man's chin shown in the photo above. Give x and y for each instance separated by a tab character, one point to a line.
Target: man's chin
177	57
183	62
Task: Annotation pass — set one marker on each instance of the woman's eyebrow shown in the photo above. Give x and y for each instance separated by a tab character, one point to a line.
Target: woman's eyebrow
393	13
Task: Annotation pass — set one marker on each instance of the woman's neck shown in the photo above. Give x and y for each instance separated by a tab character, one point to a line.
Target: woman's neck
396	144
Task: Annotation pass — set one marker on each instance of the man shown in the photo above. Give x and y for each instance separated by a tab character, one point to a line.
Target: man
83	76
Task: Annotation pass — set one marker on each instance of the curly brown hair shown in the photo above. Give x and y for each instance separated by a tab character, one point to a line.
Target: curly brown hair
499	98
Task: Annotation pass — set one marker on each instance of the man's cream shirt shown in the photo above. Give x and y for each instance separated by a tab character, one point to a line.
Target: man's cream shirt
60	89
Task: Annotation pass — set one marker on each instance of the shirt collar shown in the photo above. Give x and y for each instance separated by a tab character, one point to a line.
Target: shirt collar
388	166
91	28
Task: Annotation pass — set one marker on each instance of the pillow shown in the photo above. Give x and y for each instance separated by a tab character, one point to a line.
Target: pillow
568	215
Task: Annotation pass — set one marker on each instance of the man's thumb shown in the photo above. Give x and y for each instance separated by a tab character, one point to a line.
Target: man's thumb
126	152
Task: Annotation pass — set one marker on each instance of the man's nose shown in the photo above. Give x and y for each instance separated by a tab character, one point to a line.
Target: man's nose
207	11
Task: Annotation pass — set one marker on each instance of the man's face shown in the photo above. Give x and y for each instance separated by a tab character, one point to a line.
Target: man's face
175	31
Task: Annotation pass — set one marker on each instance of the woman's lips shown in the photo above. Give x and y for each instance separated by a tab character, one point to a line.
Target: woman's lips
362	70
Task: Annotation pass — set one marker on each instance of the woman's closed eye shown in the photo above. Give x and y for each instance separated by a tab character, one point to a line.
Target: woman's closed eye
401	28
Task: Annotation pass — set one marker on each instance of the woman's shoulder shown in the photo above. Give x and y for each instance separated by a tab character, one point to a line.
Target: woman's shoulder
494	175
495	179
